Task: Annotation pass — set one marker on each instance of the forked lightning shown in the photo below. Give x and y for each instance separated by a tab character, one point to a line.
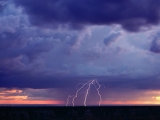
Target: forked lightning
88	85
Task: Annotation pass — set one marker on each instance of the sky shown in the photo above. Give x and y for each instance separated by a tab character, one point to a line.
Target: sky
50	49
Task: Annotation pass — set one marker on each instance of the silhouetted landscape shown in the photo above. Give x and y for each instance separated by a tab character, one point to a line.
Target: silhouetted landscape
79	113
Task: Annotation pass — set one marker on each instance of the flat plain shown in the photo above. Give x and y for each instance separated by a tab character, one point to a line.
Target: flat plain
79	113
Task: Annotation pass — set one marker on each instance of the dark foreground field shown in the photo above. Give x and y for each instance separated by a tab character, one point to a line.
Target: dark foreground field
81	113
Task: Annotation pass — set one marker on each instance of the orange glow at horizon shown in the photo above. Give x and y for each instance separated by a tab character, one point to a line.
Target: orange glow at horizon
31	102
56	102
130	102
13	97
10	91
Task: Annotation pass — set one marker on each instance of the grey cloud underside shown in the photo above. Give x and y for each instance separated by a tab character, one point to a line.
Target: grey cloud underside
116	82
131	14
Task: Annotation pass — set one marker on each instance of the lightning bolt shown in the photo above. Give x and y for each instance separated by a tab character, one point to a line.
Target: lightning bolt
100	97
78	91
68	100
88	84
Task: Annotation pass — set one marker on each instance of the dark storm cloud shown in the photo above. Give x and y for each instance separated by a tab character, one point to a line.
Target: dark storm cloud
131	14
23	63
21	44
21	47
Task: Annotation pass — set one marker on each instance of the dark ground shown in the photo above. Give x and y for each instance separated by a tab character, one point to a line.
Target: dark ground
80	113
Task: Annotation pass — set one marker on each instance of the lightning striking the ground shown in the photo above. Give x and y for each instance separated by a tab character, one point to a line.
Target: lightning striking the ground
68	100
78	91
100	97
86	86
89	86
